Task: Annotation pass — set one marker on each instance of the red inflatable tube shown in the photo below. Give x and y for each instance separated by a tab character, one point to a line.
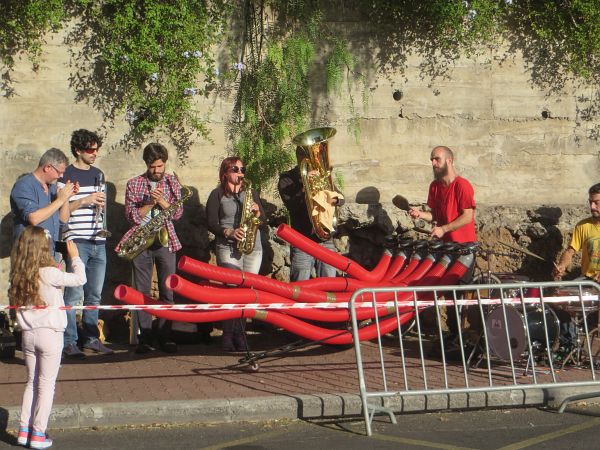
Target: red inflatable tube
262	283
332	284
334	259
436	273
453	275
214	295
296	326
424	267
395	266
415	260
251	280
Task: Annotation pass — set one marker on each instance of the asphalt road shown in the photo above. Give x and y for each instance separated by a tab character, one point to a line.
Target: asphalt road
500	429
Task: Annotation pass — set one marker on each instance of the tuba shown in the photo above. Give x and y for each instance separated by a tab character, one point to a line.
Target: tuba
145	235
249	222
314	156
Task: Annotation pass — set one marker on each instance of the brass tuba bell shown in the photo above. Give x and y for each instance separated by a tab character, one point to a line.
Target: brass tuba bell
313	156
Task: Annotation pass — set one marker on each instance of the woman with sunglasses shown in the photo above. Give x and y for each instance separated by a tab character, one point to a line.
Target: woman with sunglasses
224	210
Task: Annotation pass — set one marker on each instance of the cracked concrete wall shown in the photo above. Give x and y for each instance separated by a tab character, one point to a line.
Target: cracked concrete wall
517	144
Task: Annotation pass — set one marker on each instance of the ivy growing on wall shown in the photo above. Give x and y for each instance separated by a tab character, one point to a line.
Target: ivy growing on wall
278	77
153	61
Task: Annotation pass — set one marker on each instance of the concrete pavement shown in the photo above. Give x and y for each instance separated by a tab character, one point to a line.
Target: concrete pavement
201	384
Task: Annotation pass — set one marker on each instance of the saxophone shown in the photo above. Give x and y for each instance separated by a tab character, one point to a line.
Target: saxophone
249	223
145	235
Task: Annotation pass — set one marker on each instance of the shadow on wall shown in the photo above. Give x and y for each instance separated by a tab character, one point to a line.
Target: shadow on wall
6	235
7	227
366	243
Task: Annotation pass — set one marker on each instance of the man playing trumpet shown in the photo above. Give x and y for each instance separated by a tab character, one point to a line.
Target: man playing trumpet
83	229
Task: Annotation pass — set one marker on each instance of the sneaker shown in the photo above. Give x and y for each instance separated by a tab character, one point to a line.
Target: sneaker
96	346
23	437
40	440
168	346
73	352
143	348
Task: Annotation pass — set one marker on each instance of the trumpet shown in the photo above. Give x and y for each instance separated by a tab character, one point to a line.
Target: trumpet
100	217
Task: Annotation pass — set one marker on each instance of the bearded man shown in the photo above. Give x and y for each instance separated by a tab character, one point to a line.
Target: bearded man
451	199
586	238
145	197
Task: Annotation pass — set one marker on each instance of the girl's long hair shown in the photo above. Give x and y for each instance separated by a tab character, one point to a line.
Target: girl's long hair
30	252
226	164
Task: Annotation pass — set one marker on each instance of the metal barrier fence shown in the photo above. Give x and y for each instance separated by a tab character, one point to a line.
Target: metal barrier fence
513	336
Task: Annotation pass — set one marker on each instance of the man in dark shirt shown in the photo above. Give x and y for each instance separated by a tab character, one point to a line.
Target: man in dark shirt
291	191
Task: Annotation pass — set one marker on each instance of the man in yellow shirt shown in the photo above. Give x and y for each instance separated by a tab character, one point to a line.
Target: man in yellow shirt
586	237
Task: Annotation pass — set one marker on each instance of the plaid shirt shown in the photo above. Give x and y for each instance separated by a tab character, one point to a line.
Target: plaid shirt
137	195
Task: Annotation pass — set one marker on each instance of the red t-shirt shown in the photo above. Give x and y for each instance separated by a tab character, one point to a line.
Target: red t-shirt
449	202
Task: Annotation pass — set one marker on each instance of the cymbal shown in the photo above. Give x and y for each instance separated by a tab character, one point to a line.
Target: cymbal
522	250
401	202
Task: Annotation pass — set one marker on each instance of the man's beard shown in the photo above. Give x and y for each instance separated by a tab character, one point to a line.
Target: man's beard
156	176
441	172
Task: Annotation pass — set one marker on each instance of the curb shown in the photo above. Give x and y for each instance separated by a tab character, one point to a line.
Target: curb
304	407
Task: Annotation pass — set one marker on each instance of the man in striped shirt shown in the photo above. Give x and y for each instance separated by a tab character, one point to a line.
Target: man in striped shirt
84	227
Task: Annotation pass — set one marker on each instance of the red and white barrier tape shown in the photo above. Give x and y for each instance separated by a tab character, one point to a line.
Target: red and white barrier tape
573	299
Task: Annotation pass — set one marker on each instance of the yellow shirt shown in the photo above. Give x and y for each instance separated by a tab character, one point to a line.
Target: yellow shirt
586	238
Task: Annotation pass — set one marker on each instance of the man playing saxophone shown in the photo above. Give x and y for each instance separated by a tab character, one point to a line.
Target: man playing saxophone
149	195
226	207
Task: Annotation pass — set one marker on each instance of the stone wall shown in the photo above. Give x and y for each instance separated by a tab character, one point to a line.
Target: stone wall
517	144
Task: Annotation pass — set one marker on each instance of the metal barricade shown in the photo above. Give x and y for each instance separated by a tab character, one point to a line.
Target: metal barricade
479	338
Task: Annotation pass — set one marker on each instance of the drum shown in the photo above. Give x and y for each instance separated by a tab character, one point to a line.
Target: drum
515	324
573	307
506	277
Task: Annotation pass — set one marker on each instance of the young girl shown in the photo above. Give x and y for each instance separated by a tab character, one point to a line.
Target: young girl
36	281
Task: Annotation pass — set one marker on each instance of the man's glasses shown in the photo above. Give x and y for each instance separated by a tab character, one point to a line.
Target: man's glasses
237	169
90	150
60	174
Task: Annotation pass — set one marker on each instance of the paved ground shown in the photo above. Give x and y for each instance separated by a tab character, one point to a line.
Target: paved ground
200	383
490	429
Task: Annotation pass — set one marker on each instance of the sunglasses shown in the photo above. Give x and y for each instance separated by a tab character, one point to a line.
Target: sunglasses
236	169
90	150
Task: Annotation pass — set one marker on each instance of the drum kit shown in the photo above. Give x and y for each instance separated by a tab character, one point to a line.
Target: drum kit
559	331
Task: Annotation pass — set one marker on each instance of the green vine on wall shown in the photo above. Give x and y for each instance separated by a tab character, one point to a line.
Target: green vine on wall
154	61
282	45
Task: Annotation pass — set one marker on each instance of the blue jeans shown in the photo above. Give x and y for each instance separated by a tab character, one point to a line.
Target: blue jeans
303	263
94	260
230	257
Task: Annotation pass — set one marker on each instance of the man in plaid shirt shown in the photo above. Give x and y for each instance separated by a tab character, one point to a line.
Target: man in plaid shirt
145	197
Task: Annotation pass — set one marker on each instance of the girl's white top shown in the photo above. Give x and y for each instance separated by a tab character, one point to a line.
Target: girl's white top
52	280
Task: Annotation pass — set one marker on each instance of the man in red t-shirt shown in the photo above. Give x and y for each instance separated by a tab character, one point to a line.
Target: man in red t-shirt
451	199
